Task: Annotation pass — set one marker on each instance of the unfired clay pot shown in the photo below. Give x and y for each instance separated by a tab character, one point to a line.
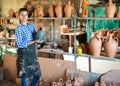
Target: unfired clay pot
68	9
110	9
95	44
110	46
11	12
118	13
51	11
68	83
58	9
39	11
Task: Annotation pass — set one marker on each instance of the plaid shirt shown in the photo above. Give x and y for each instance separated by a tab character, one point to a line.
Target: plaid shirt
23	34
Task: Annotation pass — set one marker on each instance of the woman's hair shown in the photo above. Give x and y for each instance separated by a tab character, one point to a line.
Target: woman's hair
22	9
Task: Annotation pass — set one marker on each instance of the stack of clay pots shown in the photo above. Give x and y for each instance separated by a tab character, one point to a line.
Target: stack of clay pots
71	81
110	9
106	39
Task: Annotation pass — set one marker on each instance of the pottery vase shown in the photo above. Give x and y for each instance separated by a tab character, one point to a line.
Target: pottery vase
84	8
110	9
118	13
68	9
110	46
39	11
11	12
51	11
95	45
58	9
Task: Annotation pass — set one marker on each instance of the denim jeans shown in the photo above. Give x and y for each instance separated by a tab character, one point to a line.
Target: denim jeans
24	81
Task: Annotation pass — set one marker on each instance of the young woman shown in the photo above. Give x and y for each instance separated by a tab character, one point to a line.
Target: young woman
27	62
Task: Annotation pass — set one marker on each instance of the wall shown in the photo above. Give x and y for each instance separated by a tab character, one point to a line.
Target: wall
8	4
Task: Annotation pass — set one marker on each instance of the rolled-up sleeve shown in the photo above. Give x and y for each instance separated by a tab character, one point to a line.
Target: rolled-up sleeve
20	39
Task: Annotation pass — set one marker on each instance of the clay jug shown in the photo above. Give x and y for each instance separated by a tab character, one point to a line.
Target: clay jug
96	84
118	34
58	9
60	82
68	9
84	8
110	9
102	82
68	83
118	13
54	84
78	80
11	12
95	45
110	46
51	11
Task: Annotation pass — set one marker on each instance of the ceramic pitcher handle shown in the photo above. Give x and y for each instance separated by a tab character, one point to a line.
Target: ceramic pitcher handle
116	38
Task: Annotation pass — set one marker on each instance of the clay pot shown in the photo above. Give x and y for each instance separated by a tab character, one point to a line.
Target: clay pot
60	82
110	9
78	80
58	9
118	34
95	45
11	12
68	83
118	13
16	14
39	11
110	46
64	29
102	82
96	84
51	11
54	84
68	9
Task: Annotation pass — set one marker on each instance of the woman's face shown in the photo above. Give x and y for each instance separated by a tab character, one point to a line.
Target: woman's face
23	16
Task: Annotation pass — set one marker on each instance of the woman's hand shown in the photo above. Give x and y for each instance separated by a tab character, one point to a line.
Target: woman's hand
36	41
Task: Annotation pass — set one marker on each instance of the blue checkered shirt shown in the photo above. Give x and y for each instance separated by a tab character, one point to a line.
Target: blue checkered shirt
24	34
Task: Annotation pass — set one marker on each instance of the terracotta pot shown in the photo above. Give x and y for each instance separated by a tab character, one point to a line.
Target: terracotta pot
60	82
118	34
39	11
11	12
68	9
110	9
51	11
96	84
16	14
58	9
118	13
95	45
54	84
68	83
110	46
